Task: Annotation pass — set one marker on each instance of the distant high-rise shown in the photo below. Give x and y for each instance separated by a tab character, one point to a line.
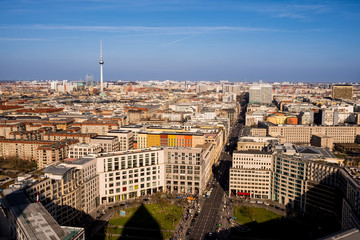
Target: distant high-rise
260	93
89	79
342	92
101	69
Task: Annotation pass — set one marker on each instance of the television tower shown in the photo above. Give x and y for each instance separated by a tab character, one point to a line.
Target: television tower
101	69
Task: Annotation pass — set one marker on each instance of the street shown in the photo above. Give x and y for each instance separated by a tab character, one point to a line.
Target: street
213	220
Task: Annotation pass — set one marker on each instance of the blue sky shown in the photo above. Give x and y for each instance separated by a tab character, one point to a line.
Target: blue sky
309	41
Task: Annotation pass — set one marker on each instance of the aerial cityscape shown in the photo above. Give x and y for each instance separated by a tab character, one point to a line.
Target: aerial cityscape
180	120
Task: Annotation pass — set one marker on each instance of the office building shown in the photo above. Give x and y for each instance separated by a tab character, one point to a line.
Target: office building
125	175
29	221
68	191
188	169
250	174
260	93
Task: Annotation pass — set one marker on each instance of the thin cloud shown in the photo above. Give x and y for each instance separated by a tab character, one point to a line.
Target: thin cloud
140	29
19	39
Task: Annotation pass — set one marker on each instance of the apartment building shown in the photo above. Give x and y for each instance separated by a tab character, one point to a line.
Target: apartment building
49	154
97	126
7	128
130	174
44	152
250	174
29	135
107	143
126	139
59	124
81	137
81	150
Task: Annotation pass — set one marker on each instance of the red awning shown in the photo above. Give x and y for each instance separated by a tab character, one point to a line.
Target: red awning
243	194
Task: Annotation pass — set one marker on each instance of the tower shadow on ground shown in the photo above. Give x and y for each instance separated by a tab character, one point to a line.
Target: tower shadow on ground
141	225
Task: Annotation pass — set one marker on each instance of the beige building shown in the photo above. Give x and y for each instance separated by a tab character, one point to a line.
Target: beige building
258	132
99	127
35	135
322	141
6	129
90	182
250	145
57	136
60	193
126	139
69	191
43	152
255	143
107	143
81	150
188	169
302	134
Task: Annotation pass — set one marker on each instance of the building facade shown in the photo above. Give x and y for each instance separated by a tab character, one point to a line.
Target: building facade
126	175
250	174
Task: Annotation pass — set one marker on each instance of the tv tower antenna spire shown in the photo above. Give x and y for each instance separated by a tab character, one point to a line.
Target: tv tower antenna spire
101	61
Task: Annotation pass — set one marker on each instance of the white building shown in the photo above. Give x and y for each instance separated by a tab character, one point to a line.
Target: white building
250	174
130	174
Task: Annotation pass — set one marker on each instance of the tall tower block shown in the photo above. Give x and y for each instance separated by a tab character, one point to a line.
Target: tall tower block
101	69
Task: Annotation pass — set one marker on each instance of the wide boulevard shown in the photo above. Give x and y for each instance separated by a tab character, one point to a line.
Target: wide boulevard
207	224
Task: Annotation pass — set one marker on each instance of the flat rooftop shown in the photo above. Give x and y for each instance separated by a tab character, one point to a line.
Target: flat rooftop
56	170
33	218
105	137
253	152
81	161
119	131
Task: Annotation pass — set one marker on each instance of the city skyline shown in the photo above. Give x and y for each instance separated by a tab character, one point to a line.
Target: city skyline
306	41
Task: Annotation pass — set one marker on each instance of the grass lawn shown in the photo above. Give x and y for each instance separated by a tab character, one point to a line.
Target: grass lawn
118	220
246	215
150	217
